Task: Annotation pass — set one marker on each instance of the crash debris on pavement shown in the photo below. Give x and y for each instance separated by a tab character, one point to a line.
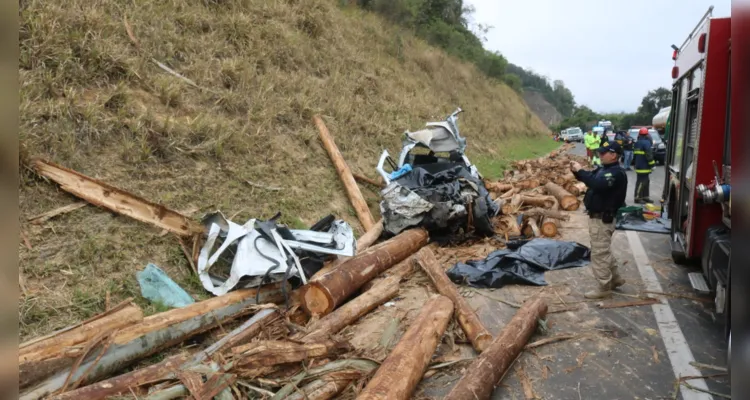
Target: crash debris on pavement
287	300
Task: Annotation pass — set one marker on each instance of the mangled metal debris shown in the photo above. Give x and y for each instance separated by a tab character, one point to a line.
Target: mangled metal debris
434	185
263	251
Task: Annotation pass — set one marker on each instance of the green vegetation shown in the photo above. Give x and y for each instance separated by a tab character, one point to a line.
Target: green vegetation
556	94
492	166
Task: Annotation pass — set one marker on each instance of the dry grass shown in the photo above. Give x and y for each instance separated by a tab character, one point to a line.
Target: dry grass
94	100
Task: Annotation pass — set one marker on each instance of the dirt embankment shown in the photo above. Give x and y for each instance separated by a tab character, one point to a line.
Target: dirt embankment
183	102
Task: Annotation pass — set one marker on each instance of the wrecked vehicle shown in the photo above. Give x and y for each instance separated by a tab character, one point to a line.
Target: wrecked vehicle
261	252
434	185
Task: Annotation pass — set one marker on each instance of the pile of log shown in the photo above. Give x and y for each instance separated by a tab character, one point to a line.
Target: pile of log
267	355
534	195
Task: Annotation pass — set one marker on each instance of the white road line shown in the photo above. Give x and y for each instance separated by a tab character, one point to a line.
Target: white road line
678	350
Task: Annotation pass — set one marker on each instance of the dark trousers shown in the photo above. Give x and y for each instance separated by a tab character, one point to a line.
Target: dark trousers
642	182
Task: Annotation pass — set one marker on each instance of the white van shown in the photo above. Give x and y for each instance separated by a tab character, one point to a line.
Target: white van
572	135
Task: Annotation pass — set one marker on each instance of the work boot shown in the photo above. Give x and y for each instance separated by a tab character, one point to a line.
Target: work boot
598	294
647	200
617	282
639	201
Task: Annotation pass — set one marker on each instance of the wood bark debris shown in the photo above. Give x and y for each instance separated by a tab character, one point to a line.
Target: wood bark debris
378	183
104	195
475	331
323	294
531	228
402	370
41	218
350	185
634	303
484	374
268	353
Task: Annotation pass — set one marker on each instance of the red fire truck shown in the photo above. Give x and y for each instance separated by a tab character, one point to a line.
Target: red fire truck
698	170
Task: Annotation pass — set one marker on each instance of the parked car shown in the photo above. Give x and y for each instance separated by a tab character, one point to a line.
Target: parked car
572	135
660	149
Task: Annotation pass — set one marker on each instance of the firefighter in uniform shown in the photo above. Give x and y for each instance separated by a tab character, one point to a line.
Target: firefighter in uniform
607	186
644	164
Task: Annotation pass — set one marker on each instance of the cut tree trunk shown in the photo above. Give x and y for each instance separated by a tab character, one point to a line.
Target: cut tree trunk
402	370
527	184
567	201
539	201
498	187
508	224
40	358
401	270
325	293
510	193
486	371
363	243
153	334
531	228
479	336
352	190
549	227
352	310
123	383
581	187
269	353
103	195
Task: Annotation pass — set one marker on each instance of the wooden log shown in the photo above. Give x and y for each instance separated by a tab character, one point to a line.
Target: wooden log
364	179
508	224
510	193
248	330
325	293
363	243
486	371
498	187
567	201
527	184
541	212
41	218
122	384
40	358
538	201
401	270
549	227
353	310
326	387
103	195
402	370
531	228
572	188
581	187
268	353
479	336
153	334
352	190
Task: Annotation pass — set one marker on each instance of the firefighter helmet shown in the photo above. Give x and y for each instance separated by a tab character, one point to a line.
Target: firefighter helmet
643	131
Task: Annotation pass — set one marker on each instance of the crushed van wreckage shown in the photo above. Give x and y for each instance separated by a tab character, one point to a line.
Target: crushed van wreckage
434	185
261	252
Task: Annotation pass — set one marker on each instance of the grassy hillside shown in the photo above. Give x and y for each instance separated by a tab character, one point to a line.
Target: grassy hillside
93	99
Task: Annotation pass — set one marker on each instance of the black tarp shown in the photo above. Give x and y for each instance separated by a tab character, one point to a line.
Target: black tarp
525	265
631	219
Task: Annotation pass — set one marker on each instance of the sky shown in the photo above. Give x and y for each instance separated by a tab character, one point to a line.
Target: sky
609	53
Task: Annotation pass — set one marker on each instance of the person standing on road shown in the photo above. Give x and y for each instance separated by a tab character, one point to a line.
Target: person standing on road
590	141
644	164
627	151
607	186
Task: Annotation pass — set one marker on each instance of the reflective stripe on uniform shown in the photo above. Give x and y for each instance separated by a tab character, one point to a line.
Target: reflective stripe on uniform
643	171
641	152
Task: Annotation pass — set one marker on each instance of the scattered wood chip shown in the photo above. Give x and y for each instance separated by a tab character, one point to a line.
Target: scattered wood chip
528	389
129	31
39	219
26	241
552	339
656	354
263	186
634	303
708	366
